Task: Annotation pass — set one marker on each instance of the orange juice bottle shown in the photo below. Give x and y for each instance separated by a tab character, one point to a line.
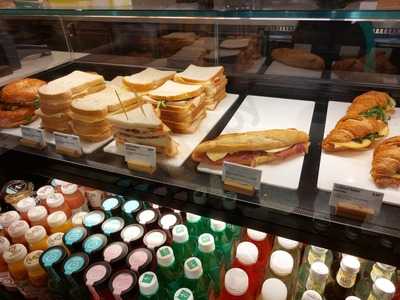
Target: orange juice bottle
58	222
43	193
56	239
38	216
17	230
14	257
37	238
73	196
4	245
9	217
56	202
37	276
77	218
24	205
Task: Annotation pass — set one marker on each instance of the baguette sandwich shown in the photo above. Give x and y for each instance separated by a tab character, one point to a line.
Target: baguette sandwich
147	80
252	148
298	58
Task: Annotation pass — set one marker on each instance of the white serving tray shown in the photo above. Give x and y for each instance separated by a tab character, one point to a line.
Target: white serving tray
352	167
87	147
187	142
260	113
277	68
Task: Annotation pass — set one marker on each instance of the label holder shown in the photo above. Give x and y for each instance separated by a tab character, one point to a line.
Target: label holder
32	137
241	179
68	144
141	158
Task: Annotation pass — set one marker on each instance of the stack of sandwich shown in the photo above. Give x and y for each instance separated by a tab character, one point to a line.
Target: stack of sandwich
57	95
171	43
182	106
89	113
142	125
211	78
146	80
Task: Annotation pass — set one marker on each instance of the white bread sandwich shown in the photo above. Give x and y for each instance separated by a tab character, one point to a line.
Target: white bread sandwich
141	125
182	106
89	113
253	148
147	80
211	78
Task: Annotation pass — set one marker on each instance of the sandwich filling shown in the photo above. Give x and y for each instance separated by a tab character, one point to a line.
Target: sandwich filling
363	142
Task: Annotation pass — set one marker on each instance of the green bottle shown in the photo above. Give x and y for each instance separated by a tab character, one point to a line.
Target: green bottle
169	272
223	245
73	269
211	265
148	286
195	228
194	279
181	244
183	294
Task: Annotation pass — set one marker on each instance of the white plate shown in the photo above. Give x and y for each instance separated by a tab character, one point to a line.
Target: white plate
277	68
187	142
352	168
260	113
87	147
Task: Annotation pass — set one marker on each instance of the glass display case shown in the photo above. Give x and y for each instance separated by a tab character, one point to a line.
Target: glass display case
288	64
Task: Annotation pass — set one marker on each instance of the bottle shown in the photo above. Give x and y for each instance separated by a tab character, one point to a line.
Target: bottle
345	279
148	219
112	206
316	280
93	220
56	239
43	193
246	259
183	294
4	245
181	243
94	245
311	295
94	197
14	257
77	218
281	267
292	247
96	280
195	228
236	285
169	272
58	222
74	238
148	286
38	216
364	286
130	209
16	232
73	268
194	278
260	239
132	235
383	289
115	254
24	205
222	243
73	197
155	239
352	298
211	265
273	289
112	228
36	238
167	222
56	202
123	285
141	260
36	274
9	217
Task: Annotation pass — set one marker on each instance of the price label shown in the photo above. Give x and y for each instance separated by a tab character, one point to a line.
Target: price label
33	137
354	202
68	144
141	158
241	179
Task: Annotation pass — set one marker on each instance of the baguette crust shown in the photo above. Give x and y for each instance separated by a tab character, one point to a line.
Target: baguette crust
386	163
370	100
298	58
22	92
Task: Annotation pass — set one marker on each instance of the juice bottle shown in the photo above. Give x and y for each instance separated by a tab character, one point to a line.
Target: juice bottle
130	209
74	238
77	218
112	206
24	205
316	280
56	239
281	267
141	260
115	254
123	285
56	202
9	217
155	239
311	295
168	221
17	230
43	193
148	219
58	222
290	246
112	228
73	268
38	216
211	265
37	237
36	274
93	220
169	272
94	245
183	294
246	259
14	257
181	243
15	190
273	289
96	279
73	197
383	289
195	228
132	235
195	279
223	245
4	245
260	239
148	286
236	285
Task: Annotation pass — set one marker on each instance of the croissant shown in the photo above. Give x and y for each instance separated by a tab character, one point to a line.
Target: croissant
372	104
354	133
386	163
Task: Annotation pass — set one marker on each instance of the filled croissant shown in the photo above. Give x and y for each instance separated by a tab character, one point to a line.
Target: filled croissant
386	163
354	133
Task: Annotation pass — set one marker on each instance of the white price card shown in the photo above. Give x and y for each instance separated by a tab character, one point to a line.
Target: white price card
33	136
141	157
68	144
355	202
242	177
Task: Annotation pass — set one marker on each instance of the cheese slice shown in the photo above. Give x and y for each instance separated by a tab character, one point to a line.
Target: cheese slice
384	131
277	149
214	156
354	145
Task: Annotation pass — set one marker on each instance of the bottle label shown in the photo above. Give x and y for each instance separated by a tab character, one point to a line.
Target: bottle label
73	264
51	256
345	280
147	278
183	295
192	264
92	244
164	252
73	235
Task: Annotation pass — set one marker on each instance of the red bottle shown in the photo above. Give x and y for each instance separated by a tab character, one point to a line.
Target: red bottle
236	286
260	239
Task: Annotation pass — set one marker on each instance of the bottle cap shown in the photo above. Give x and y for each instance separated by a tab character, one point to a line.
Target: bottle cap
9	217
319	271
385	267
75	236
168	221
112	225
281	263
55	200
77	218
37	213
247	253
111	203
115	252
94	243
217	226
236	282
192	218
311	295
256	235
183	294
319	250
31	261
56	239
193	268
15	253
139	259
148	284
350	264
69	189
165	256
44	192
206	243
75	263
97	273
17	228
35	234
93	219
52	256
154	239
352	298
146	216
287	244
57	218
274	289
383	288
132	233
4	244
122	282
180	234
131	206
25	204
